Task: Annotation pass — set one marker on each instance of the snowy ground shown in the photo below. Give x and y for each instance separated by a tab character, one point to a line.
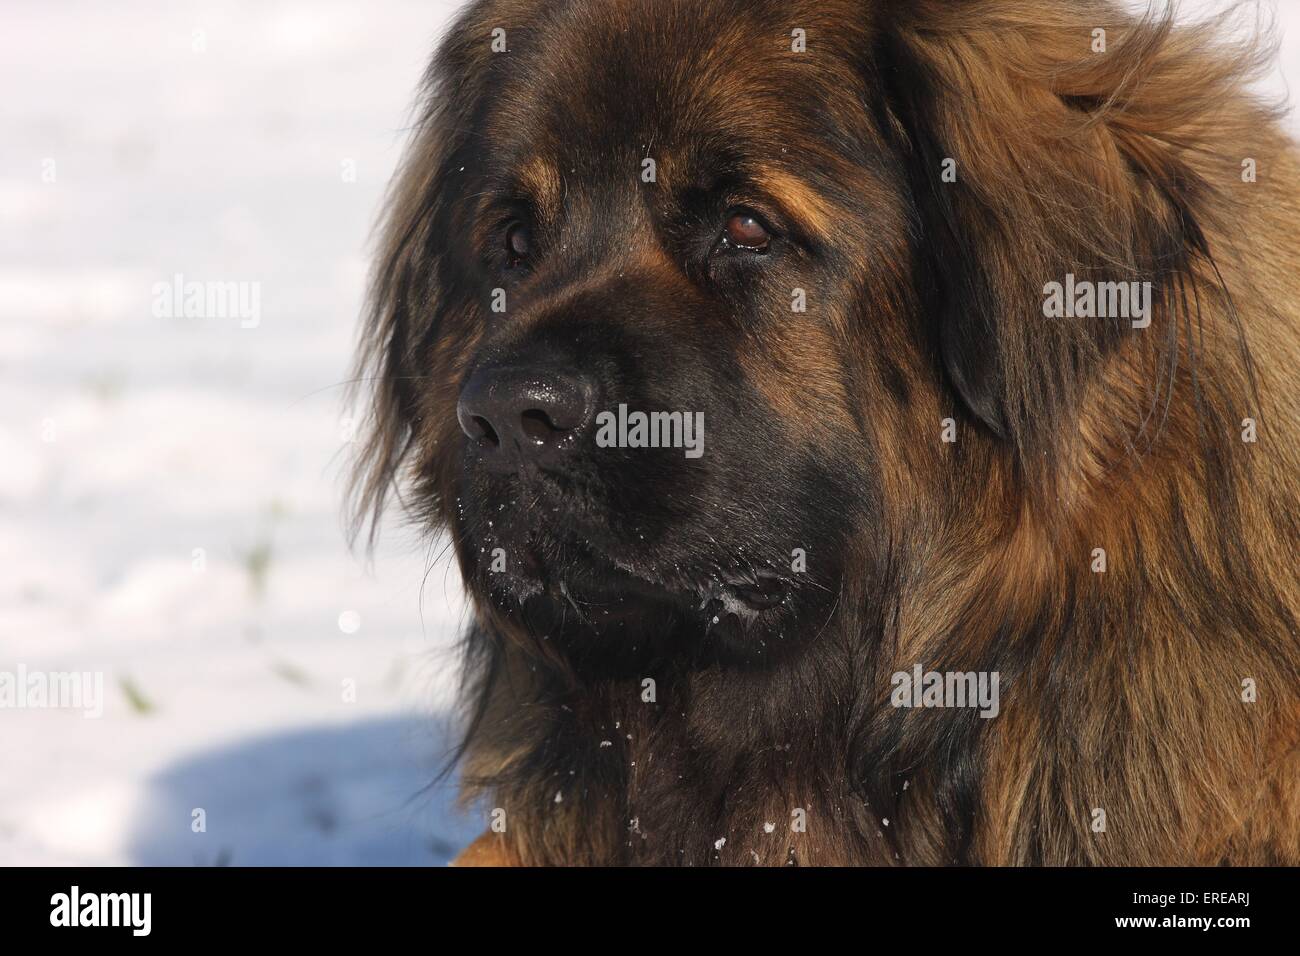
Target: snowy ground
128	443
169	487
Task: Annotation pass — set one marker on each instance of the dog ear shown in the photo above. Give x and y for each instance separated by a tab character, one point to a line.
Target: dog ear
407	309
1048	140
958	294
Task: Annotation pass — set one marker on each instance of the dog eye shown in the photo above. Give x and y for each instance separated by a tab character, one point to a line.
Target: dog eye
519	243
746	231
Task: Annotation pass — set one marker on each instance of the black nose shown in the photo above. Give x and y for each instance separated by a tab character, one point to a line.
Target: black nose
519	415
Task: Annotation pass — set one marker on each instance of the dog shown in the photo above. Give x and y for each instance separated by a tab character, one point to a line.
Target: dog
867	430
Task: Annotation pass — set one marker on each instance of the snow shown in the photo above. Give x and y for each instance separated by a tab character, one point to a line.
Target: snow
170	487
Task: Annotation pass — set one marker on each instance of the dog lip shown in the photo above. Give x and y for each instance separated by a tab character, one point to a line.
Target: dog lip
594	575
754	593
594	578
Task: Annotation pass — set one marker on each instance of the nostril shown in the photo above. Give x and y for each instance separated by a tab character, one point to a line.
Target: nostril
516	416
485	434
537	425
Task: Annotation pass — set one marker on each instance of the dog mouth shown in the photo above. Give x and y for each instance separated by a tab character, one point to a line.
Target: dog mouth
565	564
603	590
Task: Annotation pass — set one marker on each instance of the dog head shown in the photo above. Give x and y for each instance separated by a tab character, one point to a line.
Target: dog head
676	297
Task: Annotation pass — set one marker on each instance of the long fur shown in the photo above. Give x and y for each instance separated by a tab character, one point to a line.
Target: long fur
1122	691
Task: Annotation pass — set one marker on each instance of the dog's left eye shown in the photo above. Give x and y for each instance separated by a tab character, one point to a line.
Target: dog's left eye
519	243
746	231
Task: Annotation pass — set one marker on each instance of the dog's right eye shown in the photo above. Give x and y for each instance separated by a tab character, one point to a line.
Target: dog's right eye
745	231
519	243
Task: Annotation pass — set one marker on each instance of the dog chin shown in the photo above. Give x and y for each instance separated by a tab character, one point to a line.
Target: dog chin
590	597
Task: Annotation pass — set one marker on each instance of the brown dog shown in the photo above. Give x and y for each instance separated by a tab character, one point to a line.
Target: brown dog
960	522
